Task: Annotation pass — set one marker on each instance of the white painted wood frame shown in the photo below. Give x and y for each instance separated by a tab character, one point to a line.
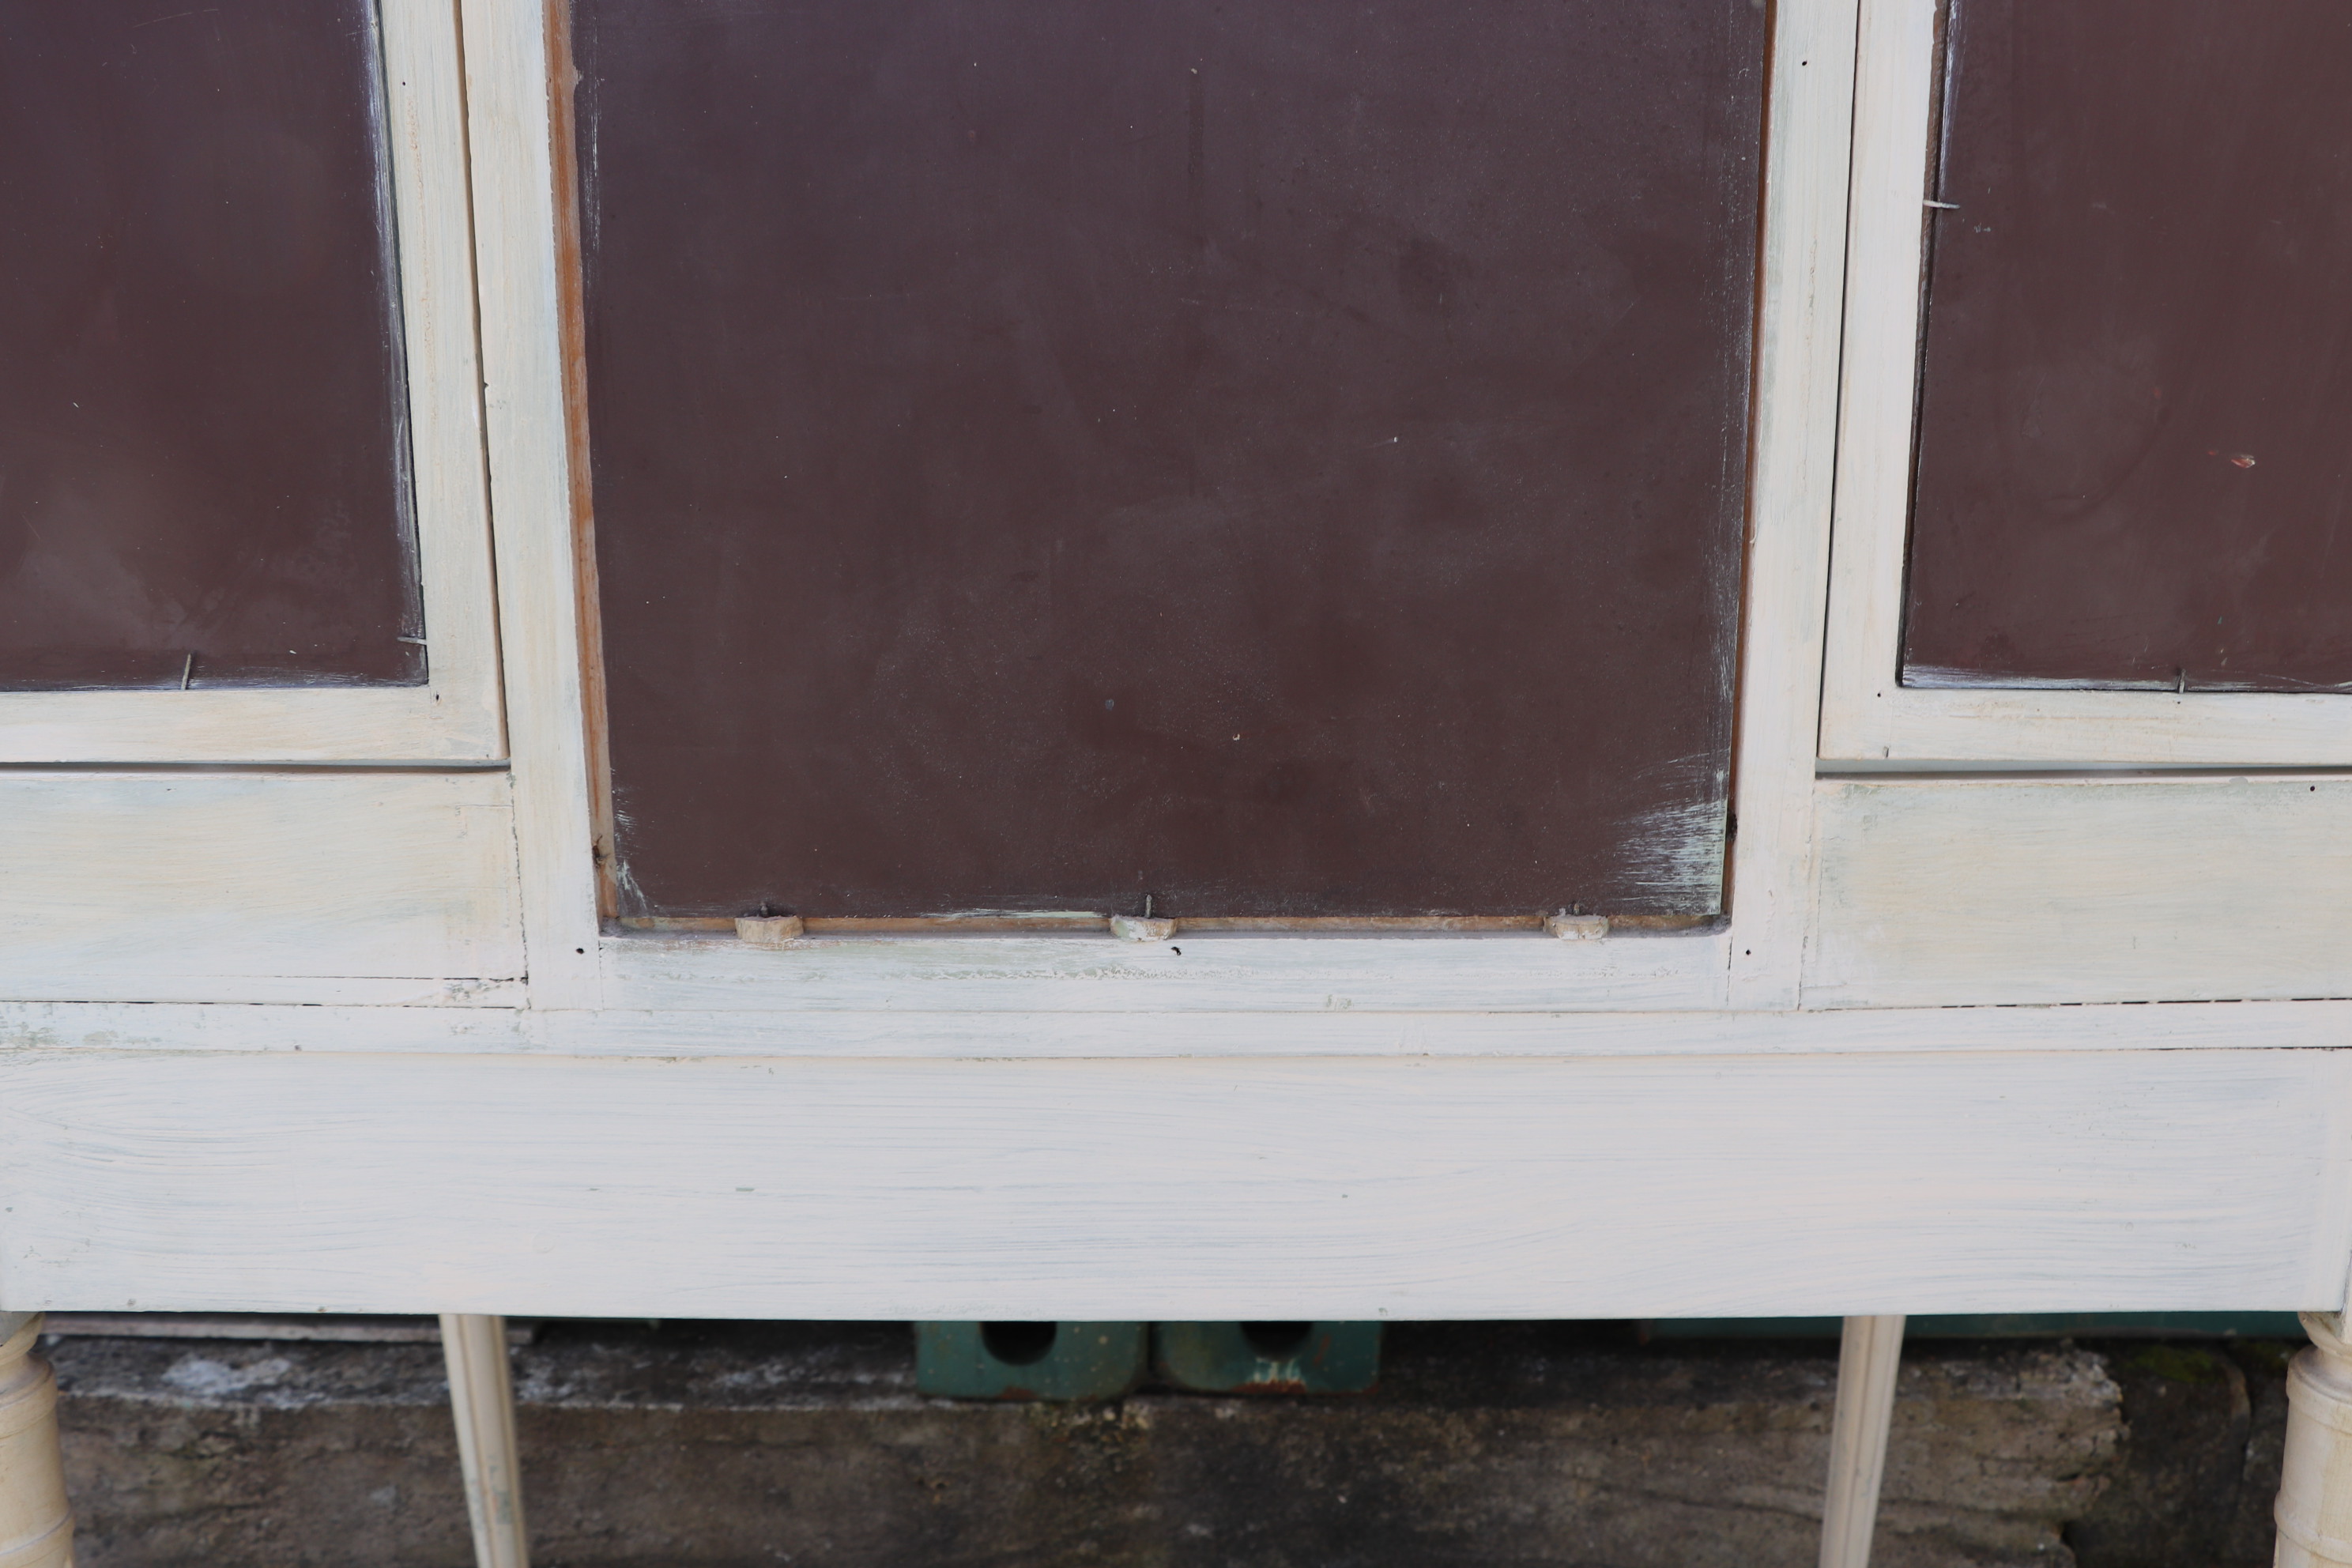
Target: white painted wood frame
1858	1095
2077	887
1415	1188
1866	713
452	1035
455	715
1751	960
382	885
1822	1107
524	262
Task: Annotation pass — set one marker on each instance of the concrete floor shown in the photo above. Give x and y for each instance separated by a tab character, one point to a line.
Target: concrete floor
714	1446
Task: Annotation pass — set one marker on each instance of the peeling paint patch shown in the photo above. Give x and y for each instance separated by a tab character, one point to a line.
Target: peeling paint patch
1673	854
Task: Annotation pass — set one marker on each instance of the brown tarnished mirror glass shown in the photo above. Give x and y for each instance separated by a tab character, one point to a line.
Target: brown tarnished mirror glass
2133	469
203	461
1272	459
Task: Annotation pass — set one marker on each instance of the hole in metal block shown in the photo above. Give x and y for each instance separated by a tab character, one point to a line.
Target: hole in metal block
1276	1342
1019	1344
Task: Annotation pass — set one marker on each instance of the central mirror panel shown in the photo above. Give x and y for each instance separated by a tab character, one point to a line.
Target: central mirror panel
1275	460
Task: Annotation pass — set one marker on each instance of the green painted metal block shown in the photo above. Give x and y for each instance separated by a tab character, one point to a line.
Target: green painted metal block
1268	1358
1028	1360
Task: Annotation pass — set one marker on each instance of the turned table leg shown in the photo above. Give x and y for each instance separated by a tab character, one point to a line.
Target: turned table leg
35	1524
481	1397
1868	1358
2315	1500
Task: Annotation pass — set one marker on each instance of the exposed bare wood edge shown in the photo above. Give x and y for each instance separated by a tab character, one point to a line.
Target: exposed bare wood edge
1259	925
572	325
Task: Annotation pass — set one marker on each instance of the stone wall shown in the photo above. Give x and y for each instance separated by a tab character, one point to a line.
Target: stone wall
1494	1444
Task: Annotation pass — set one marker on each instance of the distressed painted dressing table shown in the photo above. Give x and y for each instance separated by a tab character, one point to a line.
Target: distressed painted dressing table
2018	986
